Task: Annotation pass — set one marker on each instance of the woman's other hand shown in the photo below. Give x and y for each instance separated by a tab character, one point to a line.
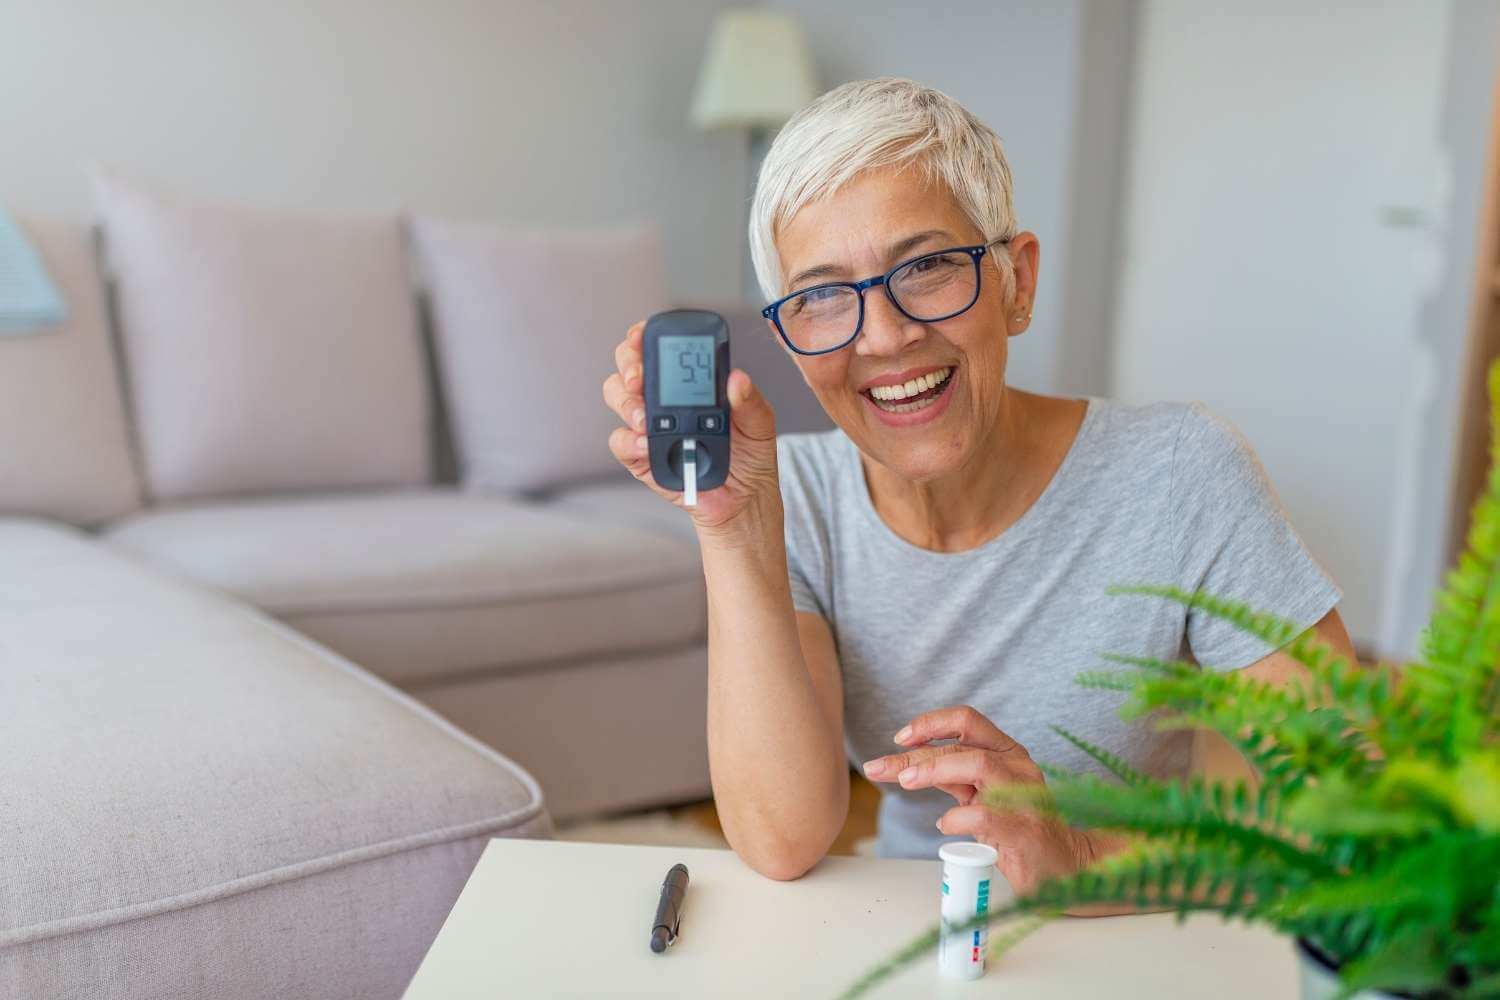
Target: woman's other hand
752	441
1032	847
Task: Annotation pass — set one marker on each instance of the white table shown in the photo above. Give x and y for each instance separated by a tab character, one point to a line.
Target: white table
546	918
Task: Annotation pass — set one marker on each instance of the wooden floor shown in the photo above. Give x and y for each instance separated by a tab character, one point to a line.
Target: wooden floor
864	800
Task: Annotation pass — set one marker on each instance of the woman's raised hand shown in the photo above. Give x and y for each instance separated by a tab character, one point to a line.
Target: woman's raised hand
752	440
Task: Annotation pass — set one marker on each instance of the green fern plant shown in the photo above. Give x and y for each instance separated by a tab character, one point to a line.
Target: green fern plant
1374	829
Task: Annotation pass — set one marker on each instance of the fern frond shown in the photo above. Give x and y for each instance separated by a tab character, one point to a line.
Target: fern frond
1022	929
907	954
1154	665
1411	959
1273	630
1111	762
1363	694
1107	680
1412	798
1194	811
1461	646
1432	884
1278	729
1340	808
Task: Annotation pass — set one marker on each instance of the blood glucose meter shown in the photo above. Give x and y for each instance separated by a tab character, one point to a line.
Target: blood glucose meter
685	368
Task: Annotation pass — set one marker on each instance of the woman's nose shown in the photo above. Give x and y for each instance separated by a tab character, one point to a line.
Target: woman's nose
885	331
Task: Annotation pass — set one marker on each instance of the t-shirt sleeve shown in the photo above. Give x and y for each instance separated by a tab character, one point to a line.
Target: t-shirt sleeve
1233	539
809	568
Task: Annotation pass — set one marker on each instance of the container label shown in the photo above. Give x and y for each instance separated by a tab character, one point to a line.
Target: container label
981	906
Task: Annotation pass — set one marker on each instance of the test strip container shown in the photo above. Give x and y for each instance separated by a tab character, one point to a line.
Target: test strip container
968	872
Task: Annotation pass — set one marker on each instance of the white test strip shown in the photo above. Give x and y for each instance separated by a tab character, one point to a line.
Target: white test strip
690	473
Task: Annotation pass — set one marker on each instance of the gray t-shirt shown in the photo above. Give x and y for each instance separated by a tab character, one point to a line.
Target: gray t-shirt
1159	494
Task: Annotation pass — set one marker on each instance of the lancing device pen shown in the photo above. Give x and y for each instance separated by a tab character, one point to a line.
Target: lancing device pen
668	922
968	870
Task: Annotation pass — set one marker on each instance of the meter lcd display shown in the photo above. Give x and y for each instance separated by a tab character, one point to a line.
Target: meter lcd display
686	365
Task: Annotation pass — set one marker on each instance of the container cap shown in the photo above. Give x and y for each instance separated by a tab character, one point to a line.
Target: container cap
968	854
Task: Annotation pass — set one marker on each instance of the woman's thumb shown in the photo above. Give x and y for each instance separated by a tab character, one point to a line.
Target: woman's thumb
751	414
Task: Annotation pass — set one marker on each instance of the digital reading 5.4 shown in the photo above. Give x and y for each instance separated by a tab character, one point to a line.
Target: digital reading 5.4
687	370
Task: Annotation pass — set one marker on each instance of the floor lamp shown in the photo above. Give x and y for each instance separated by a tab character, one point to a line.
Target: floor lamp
756	74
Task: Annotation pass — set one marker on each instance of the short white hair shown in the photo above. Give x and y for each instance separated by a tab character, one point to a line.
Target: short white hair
867	124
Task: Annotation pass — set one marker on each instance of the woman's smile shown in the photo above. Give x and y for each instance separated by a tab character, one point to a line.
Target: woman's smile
920	400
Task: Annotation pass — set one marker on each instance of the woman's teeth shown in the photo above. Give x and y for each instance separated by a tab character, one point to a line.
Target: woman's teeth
898	398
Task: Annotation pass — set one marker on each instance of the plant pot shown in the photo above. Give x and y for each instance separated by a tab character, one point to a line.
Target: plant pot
1320	979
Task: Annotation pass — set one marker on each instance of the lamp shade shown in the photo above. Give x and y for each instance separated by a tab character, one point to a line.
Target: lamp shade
757	71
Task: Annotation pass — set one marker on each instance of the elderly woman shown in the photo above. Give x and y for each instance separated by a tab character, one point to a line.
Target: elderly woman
935	568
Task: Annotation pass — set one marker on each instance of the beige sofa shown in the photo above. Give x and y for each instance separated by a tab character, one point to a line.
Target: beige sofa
199	802
270	670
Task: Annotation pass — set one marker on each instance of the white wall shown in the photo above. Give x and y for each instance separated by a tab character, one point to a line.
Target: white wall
1089	274
1019	67
1468	115
568	111
1287	215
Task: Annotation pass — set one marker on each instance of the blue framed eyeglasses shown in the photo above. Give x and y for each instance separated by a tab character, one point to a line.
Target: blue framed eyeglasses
927	289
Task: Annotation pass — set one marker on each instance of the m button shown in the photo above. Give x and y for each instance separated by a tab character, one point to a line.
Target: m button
666	422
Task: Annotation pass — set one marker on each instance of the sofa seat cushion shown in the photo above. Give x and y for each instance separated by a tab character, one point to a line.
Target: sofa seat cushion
198	801
623	499
422	585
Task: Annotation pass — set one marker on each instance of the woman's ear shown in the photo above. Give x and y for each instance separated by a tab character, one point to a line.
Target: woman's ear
1025	259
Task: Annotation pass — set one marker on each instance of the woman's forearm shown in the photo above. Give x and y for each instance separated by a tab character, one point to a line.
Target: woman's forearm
779	776
1095	846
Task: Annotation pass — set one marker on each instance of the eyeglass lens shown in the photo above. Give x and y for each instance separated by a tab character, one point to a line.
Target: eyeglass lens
929	288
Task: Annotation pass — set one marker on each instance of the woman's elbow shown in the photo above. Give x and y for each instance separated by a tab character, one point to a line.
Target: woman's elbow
784	866
773	850
781	859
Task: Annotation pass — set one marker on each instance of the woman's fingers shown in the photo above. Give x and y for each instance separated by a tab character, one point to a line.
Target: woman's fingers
973	820
986	825
967	767
886	768
961	722
622	390
628	356
628	406
630	449
962	794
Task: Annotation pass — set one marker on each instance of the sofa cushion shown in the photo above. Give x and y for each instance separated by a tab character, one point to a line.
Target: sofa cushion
419	585
267	350
620	498
200	802
525	325
64	446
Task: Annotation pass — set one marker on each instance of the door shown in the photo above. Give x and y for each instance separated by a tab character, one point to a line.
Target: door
1283	210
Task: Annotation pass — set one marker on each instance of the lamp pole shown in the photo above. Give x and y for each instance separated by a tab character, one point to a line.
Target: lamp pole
757	72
